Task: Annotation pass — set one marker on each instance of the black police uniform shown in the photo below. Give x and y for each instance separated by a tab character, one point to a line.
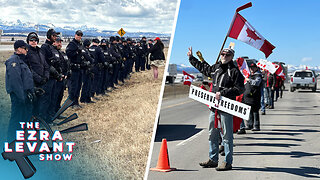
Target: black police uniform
87	76
144	52
148	56
121	75
19	84
115	53
73	52
132	55
108	66
45	109
60	64
126	58
99	60
40	73
138	59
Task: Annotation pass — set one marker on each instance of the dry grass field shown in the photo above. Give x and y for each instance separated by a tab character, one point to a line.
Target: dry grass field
120	128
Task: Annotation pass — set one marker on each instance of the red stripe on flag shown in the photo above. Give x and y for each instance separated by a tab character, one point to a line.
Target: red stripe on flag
267	48
237	26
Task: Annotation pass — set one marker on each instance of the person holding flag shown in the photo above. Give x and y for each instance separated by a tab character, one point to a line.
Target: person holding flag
227	82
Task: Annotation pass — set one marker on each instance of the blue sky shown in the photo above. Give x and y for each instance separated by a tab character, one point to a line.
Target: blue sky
291	26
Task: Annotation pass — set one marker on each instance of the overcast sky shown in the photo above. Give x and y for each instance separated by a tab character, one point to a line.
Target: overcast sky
131	15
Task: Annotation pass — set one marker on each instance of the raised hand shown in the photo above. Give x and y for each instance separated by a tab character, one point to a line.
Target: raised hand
190	51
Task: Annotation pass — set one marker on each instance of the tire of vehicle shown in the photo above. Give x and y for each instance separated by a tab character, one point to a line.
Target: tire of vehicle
314	89
291	89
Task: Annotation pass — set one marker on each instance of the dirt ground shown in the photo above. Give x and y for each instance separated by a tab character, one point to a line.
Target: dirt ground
120	126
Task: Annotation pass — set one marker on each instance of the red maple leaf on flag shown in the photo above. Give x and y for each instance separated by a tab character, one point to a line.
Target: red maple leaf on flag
252	34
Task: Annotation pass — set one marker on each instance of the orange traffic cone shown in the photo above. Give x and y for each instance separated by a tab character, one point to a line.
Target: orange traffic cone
163	160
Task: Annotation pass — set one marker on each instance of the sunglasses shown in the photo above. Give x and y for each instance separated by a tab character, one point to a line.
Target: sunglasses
33	40
225	54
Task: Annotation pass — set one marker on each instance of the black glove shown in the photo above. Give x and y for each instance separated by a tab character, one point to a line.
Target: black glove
30	96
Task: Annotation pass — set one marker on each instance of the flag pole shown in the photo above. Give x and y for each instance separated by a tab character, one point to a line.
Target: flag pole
234	17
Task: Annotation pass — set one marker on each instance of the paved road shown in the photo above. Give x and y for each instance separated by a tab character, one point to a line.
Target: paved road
287	147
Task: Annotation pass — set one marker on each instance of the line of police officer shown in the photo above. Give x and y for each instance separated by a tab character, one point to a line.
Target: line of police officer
95	69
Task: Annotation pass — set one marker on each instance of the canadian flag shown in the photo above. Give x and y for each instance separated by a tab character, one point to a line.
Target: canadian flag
243	67
279	72
243	31
187	78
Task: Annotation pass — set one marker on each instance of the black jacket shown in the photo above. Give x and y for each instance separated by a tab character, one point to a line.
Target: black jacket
73	51
38	66
252	93
157	51
271	80
18	76
46	51
226	78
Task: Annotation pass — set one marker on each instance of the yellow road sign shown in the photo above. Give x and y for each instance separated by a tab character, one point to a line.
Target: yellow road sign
121	32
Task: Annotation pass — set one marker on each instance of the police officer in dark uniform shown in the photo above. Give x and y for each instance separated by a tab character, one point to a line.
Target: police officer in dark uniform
135	51
87	75
45	107
39	68
74	51
108	64
149	45
144	49
131	55
99	60
126	57
120	61
19	84
116	54
61	65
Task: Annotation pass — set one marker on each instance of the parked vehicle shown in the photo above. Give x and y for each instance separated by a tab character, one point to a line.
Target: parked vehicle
303	79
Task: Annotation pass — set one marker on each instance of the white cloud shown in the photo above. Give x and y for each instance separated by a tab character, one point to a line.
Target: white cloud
306	59
134	15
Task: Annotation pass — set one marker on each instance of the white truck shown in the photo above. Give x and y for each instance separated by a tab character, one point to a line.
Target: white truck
303	79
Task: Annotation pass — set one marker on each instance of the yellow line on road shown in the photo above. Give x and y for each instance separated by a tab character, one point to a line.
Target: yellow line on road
173	105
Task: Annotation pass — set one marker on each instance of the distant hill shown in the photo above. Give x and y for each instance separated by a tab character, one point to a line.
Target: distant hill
20	27
188	69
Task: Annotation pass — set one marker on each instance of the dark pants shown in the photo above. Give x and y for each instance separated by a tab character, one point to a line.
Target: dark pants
107	76
86	87
121	72
46	102
20	112
143	63
131	62
99	82
110	78
75	86
137	63
254	119
116	70
59	90
277	93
